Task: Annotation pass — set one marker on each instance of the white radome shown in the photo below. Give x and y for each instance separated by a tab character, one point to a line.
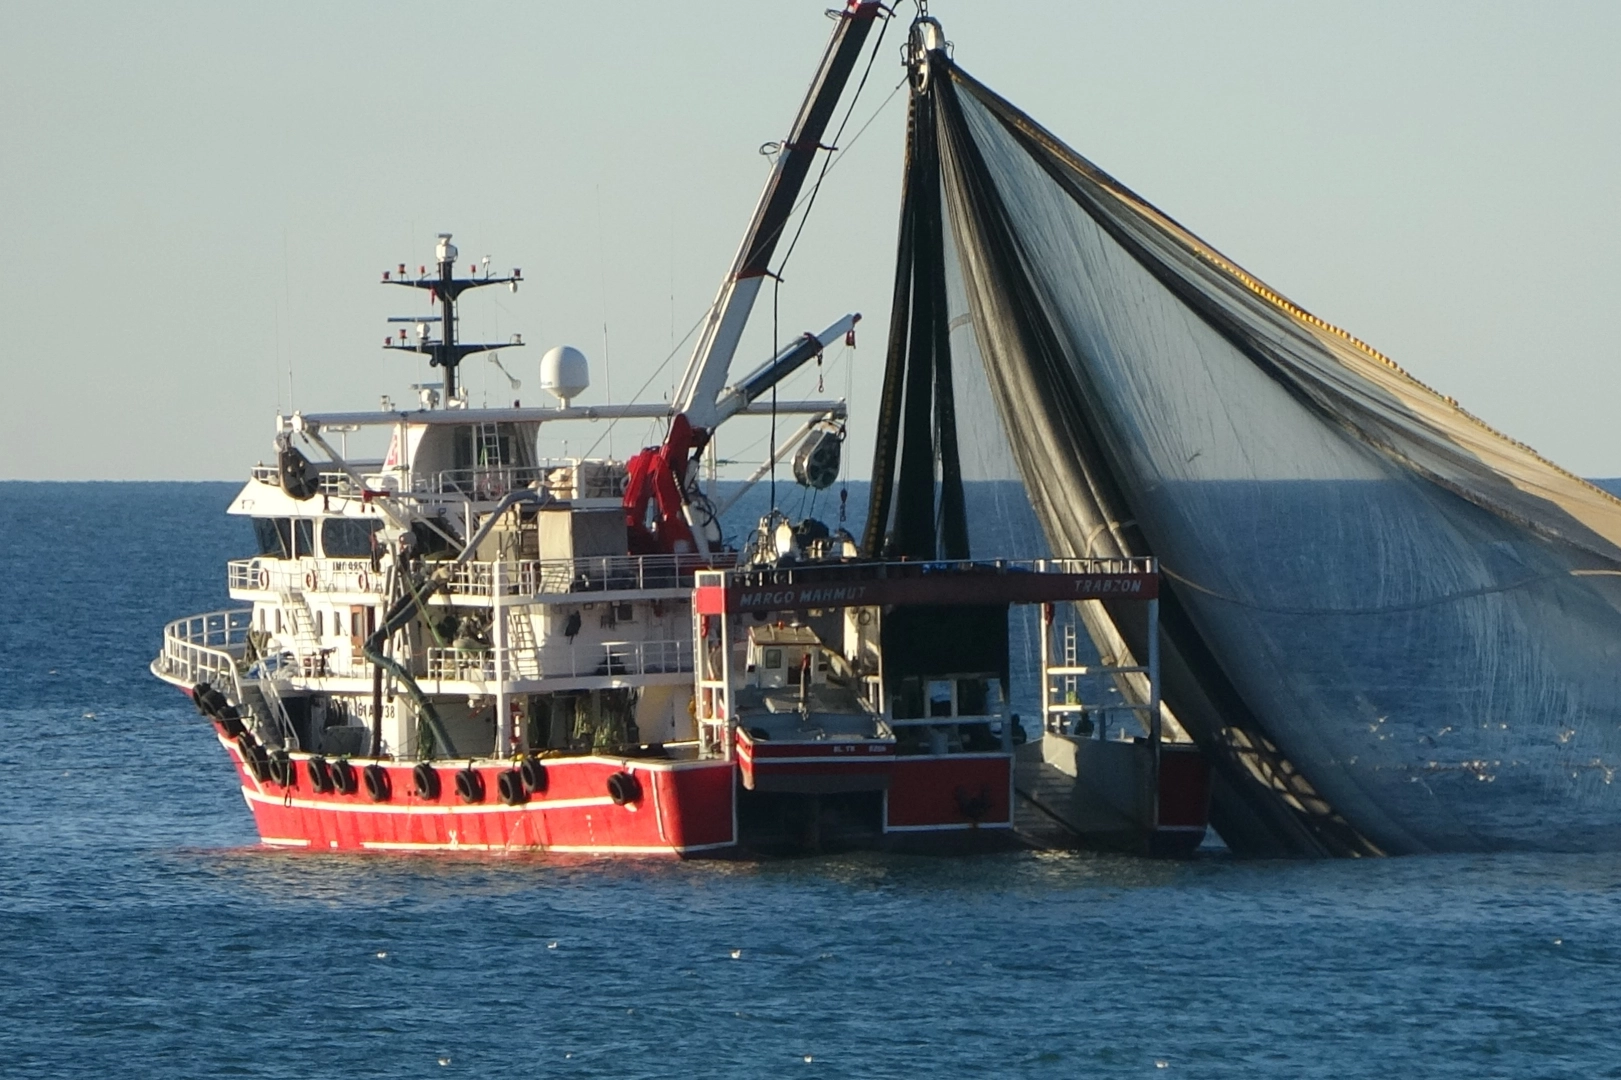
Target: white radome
565	372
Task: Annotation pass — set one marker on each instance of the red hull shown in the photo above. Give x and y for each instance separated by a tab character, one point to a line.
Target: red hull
683	808
812	766
952	793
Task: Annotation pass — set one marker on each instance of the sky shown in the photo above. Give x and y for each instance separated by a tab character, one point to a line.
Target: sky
197	199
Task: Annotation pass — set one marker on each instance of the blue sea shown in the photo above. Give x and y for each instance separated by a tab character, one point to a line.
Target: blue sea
143	934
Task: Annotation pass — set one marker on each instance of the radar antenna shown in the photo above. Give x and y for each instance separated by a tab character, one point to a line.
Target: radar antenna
445	289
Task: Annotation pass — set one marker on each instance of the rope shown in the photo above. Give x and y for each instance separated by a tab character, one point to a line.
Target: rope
827	162
656	372
775	349
1389	609
829	165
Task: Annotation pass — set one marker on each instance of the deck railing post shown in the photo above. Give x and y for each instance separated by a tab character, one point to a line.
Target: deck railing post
1154	723
503	719
1046	662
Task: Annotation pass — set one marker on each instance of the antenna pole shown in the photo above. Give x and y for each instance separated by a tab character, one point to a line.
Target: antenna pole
447	308
446	289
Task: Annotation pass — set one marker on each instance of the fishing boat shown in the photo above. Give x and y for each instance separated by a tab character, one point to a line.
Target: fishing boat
464	645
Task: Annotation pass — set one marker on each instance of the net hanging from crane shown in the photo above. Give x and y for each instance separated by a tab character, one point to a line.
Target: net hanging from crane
1390	627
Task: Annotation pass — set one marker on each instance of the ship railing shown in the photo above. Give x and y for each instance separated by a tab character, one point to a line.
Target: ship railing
490	481
211	649
1145	564
1098	720
562	478
487	482
331	482
294	576
863	569
610	573
632	659
206	648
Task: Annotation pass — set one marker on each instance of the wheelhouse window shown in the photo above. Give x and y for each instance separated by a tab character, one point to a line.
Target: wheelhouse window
348	538
284	538
272	536
483	446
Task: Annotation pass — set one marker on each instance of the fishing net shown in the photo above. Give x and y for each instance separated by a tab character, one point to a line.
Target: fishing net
1390	627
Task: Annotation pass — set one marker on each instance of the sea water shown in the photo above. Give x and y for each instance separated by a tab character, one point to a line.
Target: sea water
144	934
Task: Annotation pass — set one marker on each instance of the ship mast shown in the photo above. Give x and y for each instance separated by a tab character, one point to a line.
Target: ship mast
446	289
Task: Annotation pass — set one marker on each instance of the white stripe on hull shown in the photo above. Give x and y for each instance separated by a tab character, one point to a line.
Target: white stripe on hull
556	849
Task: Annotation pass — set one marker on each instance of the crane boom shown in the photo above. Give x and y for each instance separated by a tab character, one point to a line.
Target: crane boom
712	357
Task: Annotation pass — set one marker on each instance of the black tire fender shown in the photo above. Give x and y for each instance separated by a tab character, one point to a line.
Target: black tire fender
511	788
624	788
320	777
426	779
533	774
253	756
343	777
378	788
470	785
283	773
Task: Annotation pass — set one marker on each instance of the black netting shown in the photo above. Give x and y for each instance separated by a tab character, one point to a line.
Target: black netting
1390	627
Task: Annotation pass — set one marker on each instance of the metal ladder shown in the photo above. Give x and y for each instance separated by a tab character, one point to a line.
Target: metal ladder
1072	653
306	642
523	653
490	479
489	446
1064	668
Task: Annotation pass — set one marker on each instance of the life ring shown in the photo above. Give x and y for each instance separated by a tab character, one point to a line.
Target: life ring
364	582
262	578
378	789
470	785
343	777
426	778
511	788
533	774
624	788
320	778
309	580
